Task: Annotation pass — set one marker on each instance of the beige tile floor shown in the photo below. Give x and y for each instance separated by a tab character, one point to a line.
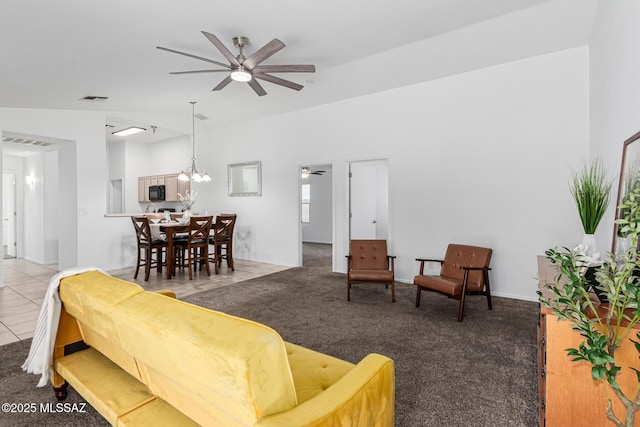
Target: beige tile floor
25	284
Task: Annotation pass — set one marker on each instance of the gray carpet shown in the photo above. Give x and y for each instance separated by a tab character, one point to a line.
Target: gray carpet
481	372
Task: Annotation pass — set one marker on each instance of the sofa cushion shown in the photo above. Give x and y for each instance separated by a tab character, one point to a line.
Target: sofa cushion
216	368
90	298
109	389
440	284
314	372
156	413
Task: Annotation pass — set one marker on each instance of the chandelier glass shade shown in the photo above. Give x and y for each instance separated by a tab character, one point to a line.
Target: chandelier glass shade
191	172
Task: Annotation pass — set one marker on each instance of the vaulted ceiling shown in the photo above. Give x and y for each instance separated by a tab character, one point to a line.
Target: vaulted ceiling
56	53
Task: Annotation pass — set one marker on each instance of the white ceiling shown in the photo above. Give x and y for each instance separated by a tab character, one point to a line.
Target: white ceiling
55	53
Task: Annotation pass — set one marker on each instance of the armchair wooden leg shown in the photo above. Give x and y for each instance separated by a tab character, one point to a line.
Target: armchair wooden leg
464	292
486	281
348	290
461	309
418	296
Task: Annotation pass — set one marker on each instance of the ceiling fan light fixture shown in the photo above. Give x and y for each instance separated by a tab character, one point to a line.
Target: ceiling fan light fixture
241	75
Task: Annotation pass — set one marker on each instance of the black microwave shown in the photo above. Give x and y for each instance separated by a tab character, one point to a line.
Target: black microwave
156	193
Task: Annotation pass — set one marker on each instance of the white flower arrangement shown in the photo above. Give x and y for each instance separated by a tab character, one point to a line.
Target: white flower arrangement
585	257
188	199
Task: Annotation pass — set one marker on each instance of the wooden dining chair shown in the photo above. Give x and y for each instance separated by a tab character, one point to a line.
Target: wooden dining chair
148	247
222	241
198	243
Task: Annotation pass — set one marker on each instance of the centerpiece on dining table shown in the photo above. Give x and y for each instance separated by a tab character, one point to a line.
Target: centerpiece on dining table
187	201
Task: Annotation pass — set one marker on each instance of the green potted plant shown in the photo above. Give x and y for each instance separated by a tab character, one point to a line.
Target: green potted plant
604	327
590	191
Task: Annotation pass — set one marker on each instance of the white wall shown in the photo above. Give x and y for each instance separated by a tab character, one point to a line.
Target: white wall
34	209
86	238
615	90
481	158
319	228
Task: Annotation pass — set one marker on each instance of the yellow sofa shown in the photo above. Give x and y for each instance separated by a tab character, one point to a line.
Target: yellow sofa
157	361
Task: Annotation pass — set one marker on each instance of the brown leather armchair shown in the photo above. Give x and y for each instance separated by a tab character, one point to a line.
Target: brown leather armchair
368	261
464	271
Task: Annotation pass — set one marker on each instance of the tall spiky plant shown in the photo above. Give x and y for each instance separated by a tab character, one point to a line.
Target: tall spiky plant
590	191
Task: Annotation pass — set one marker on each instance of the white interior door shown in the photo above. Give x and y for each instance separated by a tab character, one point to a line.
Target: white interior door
362	200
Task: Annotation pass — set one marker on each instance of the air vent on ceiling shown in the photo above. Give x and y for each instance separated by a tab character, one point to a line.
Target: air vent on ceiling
24	141
95	98
201	116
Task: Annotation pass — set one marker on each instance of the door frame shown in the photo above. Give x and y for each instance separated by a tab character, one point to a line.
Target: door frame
315	165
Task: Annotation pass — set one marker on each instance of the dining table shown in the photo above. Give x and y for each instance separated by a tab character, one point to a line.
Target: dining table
170	229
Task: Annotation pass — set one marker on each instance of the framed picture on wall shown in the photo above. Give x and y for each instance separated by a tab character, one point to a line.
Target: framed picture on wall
629	180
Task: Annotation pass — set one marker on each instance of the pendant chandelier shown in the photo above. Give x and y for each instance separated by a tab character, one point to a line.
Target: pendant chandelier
191	173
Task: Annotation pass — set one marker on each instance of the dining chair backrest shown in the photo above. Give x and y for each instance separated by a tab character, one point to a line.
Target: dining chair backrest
143	230
199	229
225	224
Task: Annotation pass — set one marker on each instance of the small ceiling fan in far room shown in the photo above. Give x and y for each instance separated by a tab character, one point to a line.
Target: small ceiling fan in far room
305	172
247	70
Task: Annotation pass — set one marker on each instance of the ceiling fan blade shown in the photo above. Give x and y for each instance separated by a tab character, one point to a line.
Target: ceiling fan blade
222	48
223	83
194	56
257	87
278	81
198	71
284	69
263	53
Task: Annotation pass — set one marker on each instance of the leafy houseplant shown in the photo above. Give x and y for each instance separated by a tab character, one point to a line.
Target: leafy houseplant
606	327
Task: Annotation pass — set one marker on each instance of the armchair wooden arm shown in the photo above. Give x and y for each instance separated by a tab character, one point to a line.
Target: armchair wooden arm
474	268
423	260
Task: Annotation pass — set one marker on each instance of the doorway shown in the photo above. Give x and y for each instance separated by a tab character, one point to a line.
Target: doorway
316	215
9	227
368	199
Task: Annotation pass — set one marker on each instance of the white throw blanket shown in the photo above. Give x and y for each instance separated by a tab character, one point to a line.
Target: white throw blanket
40	358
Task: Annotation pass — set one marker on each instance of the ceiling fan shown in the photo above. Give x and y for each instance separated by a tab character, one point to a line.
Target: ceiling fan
247	70
305	172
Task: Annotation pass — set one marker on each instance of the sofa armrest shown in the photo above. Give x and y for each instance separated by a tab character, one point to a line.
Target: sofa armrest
365	396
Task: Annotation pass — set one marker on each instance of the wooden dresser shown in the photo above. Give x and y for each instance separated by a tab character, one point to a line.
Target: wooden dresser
568	396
